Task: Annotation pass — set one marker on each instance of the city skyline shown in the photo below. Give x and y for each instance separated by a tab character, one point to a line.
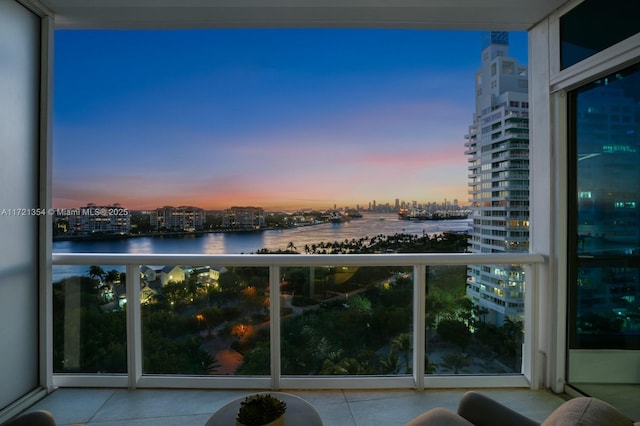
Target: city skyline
281	119
373	205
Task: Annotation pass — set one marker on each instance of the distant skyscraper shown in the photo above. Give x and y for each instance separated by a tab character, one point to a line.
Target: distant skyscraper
498	150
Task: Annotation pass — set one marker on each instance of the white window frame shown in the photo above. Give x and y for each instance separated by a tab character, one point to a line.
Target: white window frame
548	89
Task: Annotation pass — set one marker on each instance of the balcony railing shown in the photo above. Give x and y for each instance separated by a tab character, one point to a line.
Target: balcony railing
345	321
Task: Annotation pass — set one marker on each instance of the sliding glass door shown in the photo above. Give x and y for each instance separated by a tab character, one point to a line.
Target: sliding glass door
19	138
604	280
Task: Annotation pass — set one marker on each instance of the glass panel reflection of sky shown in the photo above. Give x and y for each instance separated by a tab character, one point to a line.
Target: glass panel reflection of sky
608	218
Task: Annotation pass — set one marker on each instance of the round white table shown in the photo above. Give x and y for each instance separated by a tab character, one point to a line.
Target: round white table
299	412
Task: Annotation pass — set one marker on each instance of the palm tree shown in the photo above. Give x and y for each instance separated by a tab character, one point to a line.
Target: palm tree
429	367
512	334
112	276
211	317
390	365
344	366
96	272
454	361
402	345
454	331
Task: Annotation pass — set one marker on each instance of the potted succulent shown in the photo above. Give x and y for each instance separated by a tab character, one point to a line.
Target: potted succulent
261	409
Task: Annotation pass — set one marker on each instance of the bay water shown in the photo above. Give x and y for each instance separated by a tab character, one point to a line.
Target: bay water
370	225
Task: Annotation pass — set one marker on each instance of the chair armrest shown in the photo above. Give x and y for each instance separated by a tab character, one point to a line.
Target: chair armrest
438	417
33	418
484	411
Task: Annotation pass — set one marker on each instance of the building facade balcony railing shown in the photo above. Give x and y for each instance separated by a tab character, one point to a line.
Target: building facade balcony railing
516	124
509	185
517	134
346	321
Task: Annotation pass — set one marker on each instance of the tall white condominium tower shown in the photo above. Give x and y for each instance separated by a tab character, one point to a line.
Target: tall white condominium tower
498	150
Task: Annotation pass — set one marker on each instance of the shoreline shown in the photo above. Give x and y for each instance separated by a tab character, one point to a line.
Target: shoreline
104	237
107	237
172	234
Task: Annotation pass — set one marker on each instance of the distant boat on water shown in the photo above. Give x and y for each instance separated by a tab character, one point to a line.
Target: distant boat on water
337	217
353	214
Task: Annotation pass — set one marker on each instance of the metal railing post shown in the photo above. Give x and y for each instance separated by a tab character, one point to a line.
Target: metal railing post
274	325
419	341
531	325
134	325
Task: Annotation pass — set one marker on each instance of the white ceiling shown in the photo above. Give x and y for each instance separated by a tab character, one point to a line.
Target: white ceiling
432	14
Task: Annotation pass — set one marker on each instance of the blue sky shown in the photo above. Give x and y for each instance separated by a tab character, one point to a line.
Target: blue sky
281	119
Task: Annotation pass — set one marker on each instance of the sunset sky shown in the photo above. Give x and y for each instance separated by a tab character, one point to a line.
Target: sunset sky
280	119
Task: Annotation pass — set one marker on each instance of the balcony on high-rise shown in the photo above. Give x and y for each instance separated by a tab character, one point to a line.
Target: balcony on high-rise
557	255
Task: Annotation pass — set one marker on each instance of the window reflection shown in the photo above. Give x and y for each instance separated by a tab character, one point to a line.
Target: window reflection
615	20
606	281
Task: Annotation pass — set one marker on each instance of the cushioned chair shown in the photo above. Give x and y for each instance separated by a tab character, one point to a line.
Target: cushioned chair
476	409
33	418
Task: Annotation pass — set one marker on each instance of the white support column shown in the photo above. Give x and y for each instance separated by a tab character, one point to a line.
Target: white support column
544	202
46	221
556	298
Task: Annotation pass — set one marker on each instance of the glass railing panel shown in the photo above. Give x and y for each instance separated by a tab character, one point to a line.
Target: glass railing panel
89	321
205	320
335	321
474	319
347	321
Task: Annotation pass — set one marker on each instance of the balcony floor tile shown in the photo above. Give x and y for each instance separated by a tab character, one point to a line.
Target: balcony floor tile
169	407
